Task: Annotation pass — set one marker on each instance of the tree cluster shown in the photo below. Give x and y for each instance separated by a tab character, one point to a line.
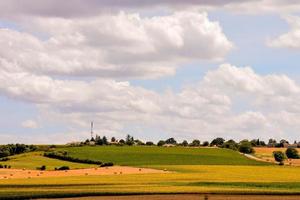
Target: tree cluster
13	149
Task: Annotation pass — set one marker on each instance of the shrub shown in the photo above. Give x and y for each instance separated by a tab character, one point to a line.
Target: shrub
63	168
108	164
161	143
149	143
1	166
205	143
245	147
292	153
4	159
230	144
279	156
195	143
43	167
64	156
217	142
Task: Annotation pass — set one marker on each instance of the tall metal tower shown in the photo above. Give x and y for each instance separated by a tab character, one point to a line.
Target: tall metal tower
92	131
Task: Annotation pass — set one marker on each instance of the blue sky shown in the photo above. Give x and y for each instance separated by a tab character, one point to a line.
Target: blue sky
53	100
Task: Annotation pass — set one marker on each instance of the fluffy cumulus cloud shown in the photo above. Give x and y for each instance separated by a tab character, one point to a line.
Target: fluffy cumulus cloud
114	46
204	110
290	39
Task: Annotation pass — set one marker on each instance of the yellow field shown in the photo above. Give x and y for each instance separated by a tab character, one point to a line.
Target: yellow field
266	153
187	179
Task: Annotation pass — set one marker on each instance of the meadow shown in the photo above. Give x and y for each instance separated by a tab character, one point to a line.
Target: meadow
153	155
192	170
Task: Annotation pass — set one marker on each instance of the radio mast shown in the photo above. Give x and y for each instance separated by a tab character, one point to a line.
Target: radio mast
92	127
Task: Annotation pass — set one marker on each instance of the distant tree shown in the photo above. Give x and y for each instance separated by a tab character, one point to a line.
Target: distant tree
230	144
195	143
161	143
218	142
262	144
98	140
4	153
92	139
246	147
171	141
282	143
205	143
113	139
149	143
185	143
139	142
271	142
122	141
292	153
279	157
104	140
87	141
129	140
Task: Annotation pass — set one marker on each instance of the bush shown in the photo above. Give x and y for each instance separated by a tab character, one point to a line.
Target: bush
279	156
161	143
195	143
41	168
63	168
109	164
245	147
4	159
230	144
64	156
292	153
205	143
149	143
217	142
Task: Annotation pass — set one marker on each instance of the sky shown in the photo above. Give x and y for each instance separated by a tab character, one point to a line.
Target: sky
192	69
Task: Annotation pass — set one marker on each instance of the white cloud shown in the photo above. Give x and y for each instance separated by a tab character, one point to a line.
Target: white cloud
290	39
204	110
113	46
262	7
86	8
31	124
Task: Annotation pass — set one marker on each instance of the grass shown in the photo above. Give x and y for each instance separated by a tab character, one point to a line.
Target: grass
33	160
149	156
194	170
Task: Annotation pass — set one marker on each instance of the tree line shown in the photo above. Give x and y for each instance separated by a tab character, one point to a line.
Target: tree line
13	149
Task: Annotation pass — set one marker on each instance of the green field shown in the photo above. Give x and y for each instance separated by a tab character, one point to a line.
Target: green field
193	170
33	160
149	156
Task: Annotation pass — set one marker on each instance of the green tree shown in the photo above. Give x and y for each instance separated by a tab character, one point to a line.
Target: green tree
205	143
292	153
279	157
195	143
217	142
129	140
104	140
161	143
246	147
185	143
171	141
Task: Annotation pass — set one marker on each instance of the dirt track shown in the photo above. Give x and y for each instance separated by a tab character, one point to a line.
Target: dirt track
19	173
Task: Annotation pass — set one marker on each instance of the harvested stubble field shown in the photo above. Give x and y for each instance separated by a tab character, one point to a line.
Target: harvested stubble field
266	154
191	170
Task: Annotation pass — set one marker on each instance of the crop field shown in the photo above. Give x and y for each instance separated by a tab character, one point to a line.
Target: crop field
149	156
196	170
33	160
